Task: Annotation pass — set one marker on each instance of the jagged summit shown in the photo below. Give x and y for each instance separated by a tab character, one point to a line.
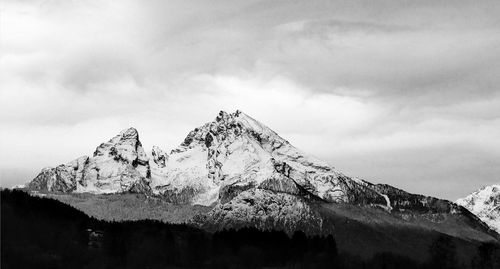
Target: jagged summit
235	153
116	166
239	167
485	203
215	163
229	126
125	147
159	156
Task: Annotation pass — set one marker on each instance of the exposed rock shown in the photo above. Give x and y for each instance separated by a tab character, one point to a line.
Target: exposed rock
124	147
249	175
183	196
159	156
141	187
404	201
265	210
240	150
485	203
79	167
280	183
228	192
116	166
57	179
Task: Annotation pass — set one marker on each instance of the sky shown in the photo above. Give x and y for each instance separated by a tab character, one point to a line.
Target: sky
391	91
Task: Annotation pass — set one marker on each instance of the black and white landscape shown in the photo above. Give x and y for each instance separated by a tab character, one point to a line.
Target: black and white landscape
250	134
232	174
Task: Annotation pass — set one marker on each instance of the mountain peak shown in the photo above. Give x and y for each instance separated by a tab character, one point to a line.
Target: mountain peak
116	166
223	115
159	156
125	146
216	161
247	172
485	203
237	150
130	132
227	127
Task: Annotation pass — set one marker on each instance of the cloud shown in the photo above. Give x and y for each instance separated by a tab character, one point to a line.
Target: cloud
395	91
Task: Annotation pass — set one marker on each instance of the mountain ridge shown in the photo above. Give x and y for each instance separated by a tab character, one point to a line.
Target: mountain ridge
244	171
485	203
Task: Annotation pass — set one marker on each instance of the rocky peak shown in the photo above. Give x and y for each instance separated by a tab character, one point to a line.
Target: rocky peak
224	127
159	156
245	170
119	165
223	116
485	203
228	127
124	147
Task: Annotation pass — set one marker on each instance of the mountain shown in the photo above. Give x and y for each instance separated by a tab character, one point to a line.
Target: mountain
247	175
485	203
39	232
119	165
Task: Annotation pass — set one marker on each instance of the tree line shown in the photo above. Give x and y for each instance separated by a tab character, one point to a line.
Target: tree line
44	233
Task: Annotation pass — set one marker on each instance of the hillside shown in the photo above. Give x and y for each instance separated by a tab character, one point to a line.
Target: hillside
45	233
485	203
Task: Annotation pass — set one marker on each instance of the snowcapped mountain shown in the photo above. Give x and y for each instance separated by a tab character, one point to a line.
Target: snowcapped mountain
485	203
236	153
118	165
245	172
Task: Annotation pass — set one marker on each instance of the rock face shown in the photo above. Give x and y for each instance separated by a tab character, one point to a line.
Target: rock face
265	210
159	157
485	203
118	165
235	152
59	179
244	170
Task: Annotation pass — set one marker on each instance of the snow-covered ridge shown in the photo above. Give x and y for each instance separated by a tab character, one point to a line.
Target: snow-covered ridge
236	152
118	165
235	164
485	203
219	159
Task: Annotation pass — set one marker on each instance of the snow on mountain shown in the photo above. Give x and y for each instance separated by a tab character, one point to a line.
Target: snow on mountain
264	209
485	203
246	172
118	165
234	153
159	156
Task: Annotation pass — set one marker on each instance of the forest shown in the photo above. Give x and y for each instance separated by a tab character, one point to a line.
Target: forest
39	232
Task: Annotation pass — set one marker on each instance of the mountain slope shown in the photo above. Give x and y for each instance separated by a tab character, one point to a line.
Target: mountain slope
485	203
235	152
118	165
44	233
248	176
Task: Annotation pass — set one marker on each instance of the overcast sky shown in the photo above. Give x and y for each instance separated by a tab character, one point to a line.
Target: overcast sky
399	92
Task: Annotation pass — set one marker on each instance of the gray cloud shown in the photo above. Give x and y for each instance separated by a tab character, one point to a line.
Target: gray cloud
392	91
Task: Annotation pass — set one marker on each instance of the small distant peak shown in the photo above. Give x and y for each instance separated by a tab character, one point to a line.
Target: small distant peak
159	156
20	186
223	115
157	151
131	131
128	136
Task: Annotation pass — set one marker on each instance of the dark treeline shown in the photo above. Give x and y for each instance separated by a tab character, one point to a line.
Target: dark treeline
45	233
